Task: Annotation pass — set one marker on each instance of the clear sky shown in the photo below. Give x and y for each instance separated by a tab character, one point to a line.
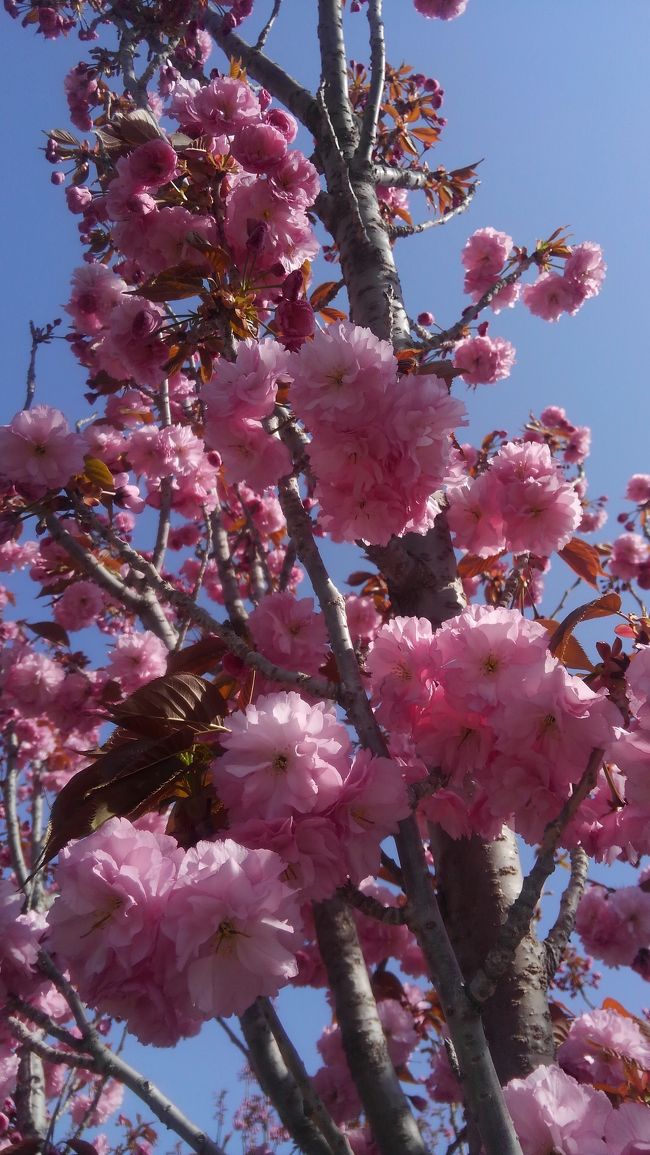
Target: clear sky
553	94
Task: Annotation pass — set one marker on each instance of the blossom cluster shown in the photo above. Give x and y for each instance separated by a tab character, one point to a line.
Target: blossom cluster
379	451
506	728
521	502
165	938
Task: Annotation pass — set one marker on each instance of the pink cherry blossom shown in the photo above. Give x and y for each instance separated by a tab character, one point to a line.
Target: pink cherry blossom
585	268
551	295
599	1046
136	659
282	757
233	925
259	147
288	632
629	553
484	360
79	606
638	488
550	1110
38	450
441	9
95	293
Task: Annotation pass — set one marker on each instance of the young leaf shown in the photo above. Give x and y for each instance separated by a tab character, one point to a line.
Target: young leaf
583	559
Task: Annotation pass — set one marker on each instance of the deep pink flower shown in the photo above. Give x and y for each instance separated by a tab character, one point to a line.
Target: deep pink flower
136	659
79	606
288	632
95	293
441	9
152	164
629	553
259	147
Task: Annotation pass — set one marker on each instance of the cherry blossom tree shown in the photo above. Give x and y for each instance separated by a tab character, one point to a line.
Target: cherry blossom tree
242	783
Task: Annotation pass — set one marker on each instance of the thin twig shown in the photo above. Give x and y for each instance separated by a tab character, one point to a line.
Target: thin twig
372	110
12	822
264	34
451	335
371	907
521	912
562	928
396	231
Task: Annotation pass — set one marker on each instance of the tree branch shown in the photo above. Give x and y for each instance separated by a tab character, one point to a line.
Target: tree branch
278	1083
12	822
265	71
314	1106
334	75
522	910
562	928
227	576
396	231
384	1102
264	34
483	1094
372	110
451	335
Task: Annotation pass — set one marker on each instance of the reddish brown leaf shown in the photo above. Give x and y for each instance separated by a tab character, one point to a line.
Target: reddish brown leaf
82	1147
169	703
472	566
50	631
198	658
175	284
600	608
331	315
583	559
573	654
359	577
323	294
123	782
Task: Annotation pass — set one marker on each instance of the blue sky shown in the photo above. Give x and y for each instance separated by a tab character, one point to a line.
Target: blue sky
554	95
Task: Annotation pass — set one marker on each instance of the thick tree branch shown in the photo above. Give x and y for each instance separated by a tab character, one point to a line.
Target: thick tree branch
12	822
385	1104
372	110
314	1106
278	1083
562	928
522	910
227	576
480	1082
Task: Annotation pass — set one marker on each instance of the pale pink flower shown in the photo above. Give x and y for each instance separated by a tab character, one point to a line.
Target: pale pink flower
79	606
225	105
280	229
246	387
599	1047
38	450
485	656
296	179
550	1110
136	659
486	252
551	295
400	665
484	360
629	553
96	290
541	511
585	268
372	802
114	886
627	1130
475	516
363	619
152	164
20	939
233	924
249	453
29	680
337	374
614	926
638	488
288	632
282	757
